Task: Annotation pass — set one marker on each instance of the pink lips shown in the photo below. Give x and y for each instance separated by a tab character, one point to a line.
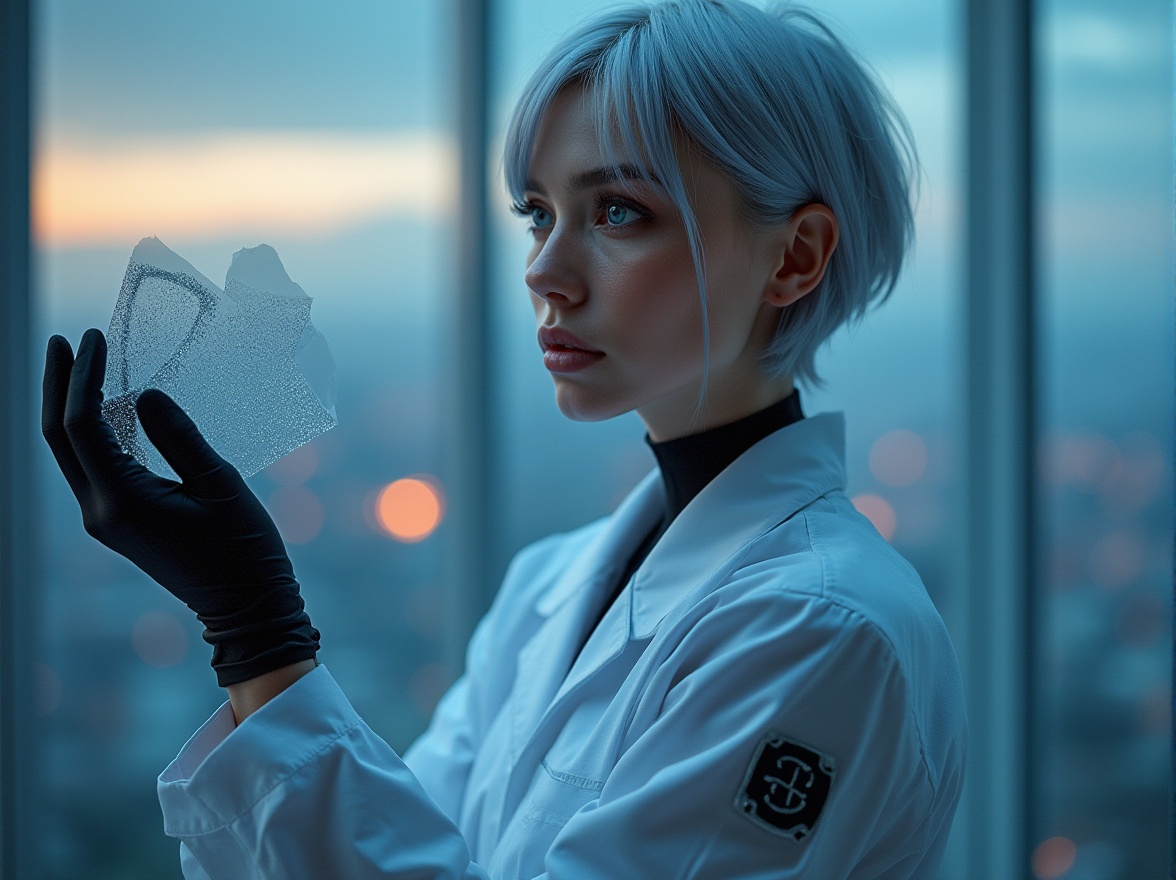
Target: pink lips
563	352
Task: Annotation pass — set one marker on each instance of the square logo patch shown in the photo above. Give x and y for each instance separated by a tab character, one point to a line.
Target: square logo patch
786	786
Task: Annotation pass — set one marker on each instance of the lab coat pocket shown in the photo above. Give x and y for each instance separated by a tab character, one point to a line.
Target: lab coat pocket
555	797
552	799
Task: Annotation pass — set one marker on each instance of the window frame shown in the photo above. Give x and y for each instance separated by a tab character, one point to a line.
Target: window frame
18	507
998	565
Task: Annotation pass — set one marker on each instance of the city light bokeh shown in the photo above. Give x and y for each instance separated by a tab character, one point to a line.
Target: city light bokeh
409	509
878	511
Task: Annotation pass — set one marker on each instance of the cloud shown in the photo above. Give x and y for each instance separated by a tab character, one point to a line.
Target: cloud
238	184
1102	42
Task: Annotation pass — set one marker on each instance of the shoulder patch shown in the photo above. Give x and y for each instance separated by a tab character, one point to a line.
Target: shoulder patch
786	786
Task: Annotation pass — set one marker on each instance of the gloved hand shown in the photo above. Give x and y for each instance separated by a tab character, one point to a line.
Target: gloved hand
207	540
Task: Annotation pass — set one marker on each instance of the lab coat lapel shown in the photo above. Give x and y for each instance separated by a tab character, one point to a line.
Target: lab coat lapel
606	645
766	485
571	606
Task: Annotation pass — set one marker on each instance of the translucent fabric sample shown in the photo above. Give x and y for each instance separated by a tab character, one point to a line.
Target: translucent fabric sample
244	362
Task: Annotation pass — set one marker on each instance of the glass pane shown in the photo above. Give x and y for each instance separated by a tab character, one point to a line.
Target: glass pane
593	463
894	376
1105	276
327	132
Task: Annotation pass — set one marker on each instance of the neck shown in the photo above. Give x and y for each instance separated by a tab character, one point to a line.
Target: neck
688	463
673	419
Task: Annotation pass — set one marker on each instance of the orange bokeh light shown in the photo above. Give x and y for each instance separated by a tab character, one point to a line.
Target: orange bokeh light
1053	857
410	509
898	458
878	511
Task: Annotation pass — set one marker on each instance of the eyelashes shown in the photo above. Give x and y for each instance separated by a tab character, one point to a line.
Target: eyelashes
521	208
607	204
604	204
529	210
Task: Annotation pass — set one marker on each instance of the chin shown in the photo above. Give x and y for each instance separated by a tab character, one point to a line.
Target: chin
579	406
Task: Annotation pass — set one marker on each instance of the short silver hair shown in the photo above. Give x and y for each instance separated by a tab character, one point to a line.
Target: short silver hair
773	100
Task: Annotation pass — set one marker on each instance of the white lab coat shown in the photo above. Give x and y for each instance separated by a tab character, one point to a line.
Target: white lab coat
769	612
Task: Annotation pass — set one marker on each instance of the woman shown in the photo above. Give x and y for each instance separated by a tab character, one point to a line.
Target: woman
732	675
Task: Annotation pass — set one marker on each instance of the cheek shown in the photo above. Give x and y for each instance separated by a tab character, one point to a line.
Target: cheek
655	294
734	302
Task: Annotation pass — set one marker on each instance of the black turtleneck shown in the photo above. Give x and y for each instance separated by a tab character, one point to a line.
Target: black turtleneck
687	464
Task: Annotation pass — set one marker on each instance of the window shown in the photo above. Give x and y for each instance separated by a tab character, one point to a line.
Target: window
333	134
327	132
1103	636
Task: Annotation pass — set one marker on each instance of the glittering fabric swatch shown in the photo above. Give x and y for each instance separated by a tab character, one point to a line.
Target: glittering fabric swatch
245	362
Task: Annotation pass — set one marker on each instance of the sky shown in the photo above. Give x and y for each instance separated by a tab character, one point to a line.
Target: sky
341	113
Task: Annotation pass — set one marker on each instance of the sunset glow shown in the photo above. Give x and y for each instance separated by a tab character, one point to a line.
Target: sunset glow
237	183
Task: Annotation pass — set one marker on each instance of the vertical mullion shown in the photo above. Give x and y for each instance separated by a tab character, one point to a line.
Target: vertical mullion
1000	438
18	584
470	445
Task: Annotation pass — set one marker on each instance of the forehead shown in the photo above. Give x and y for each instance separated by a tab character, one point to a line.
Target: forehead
567	142
568	146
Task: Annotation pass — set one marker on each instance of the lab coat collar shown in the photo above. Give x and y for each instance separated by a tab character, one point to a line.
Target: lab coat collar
616	539
766	485
552	662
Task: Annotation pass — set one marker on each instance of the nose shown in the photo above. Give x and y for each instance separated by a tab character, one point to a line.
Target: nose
556	272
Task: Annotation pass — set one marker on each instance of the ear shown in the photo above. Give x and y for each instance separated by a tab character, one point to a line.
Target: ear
806	242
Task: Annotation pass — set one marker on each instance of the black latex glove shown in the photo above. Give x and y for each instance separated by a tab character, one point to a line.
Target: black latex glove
207	540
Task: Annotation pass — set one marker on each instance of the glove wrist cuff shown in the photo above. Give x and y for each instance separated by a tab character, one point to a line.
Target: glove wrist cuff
272	632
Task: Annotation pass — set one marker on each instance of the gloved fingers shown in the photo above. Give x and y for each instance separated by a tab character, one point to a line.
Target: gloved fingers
94	442
54	387
180	442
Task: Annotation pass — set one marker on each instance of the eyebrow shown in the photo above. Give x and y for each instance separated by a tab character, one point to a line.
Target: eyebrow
599	177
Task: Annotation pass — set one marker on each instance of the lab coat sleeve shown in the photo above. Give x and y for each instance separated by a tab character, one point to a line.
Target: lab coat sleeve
800	667
302	790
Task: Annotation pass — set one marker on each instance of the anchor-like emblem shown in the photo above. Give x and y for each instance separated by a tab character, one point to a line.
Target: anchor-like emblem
786	786
795	788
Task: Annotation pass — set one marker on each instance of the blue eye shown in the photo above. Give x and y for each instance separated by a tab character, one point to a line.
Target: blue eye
540	217
619	215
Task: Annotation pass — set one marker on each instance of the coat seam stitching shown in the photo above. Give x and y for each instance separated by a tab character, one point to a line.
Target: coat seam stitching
229	822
